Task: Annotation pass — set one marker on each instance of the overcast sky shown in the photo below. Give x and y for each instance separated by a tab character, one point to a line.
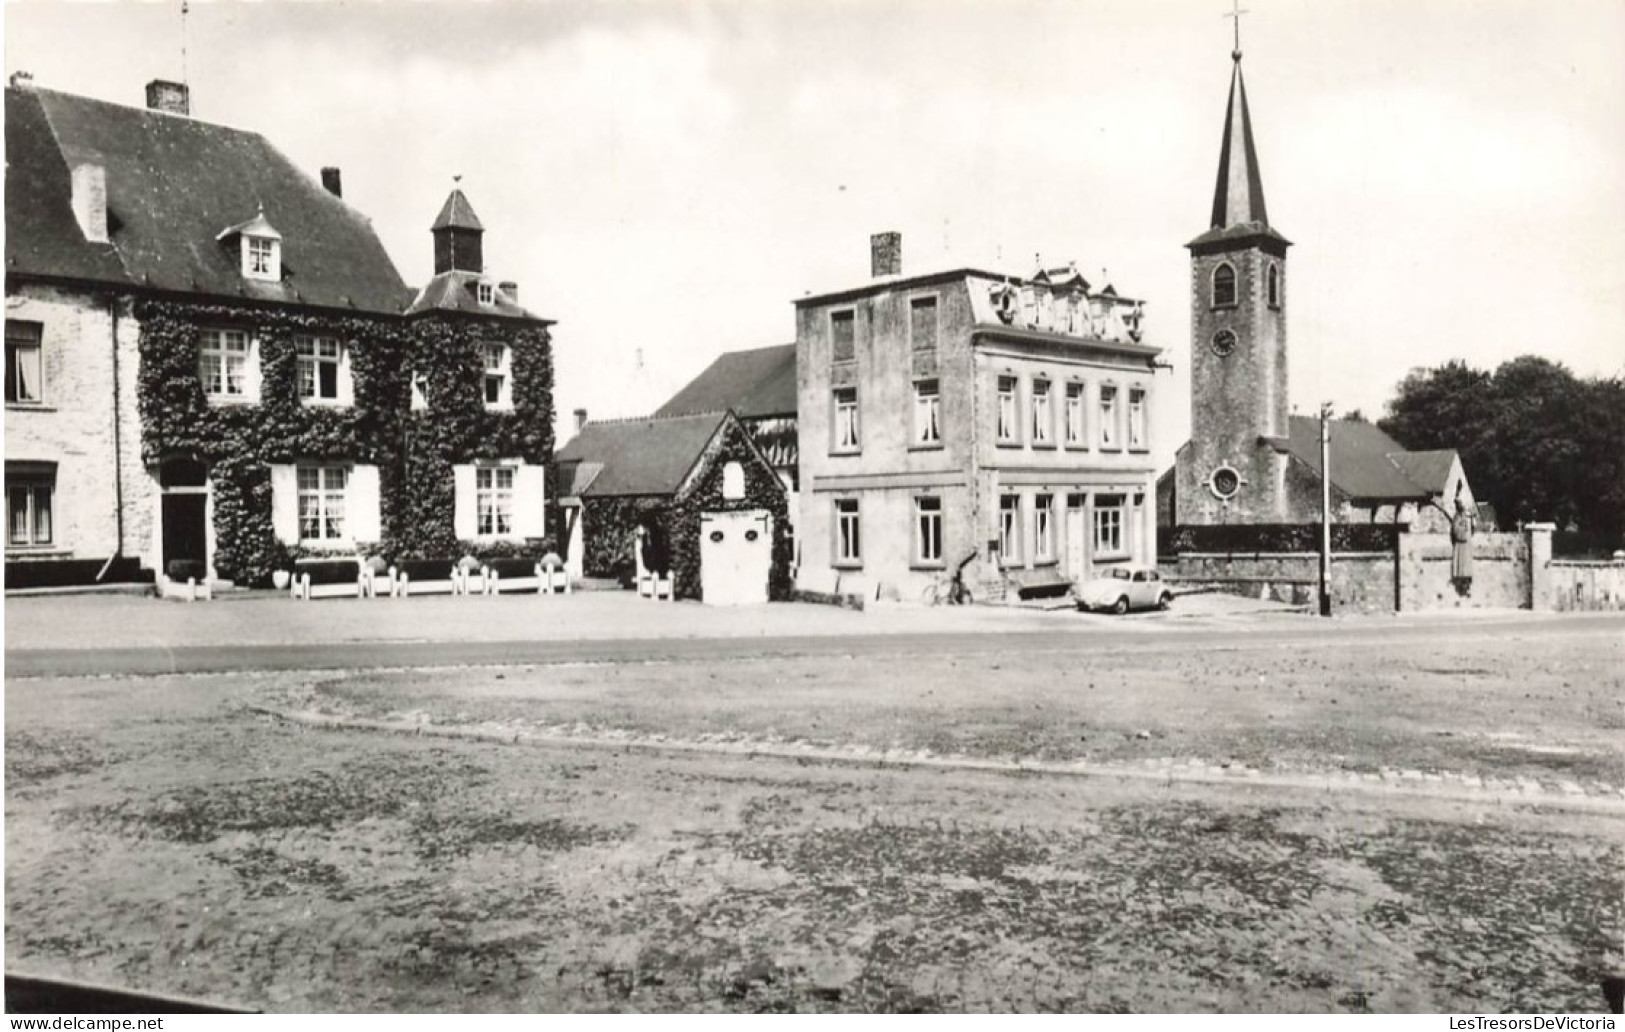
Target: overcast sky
668	177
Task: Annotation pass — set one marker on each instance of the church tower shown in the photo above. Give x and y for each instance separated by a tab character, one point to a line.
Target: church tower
1229	472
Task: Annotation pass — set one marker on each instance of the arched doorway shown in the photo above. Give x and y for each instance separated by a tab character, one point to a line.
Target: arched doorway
184	483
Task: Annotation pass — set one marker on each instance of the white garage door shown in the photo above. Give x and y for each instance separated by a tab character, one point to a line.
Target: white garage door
736	556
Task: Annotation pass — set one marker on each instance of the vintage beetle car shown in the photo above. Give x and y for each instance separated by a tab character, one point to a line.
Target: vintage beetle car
1124	587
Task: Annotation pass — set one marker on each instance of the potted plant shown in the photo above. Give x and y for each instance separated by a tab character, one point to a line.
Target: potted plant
280	579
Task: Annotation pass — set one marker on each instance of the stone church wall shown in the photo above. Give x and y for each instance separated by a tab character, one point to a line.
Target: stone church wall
1582	584
1500	573
1361	581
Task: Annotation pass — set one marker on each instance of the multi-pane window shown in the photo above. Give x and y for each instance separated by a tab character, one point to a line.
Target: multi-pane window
496	374
1075	432
928	530
927	413
846	419
321	502
262	257
922	323
28	509
1043	527
1007	428
1108	525
1136	419
843	336
319	359
223	363
1108	416
848	544
1224	286
493	500
23	368
1274	285
1043	417
420	396
486	293
1010	528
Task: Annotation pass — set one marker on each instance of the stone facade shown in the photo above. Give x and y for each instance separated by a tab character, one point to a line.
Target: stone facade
979	362
1500	572
1241	395
1510	571
88	354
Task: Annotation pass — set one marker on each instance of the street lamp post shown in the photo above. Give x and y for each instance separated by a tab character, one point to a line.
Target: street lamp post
1325	509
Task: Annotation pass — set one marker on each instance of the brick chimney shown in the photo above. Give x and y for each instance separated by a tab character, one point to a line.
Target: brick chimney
22	80
89	183
581	419
333	181
173	97
510	288
886	254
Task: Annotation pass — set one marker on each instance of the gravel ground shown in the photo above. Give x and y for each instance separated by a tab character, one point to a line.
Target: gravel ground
162	835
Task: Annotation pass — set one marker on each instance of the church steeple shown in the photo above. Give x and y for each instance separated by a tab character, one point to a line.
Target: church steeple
1238	198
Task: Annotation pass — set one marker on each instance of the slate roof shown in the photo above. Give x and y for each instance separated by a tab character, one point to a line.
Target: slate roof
1429	470
649	456
756	383
1238	194
457	291
173	184
1367	464
457	213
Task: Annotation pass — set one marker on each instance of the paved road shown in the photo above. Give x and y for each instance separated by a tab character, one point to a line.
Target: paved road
1094	638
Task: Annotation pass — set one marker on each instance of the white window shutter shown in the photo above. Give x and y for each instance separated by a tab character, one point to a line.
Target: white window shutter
285	504
462	518
530	501
361	504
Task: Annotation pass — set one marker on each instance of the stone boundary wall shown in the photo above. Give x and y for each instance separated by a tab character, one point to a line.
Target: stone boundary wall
1575	585
1500	573
1361	581
1510	571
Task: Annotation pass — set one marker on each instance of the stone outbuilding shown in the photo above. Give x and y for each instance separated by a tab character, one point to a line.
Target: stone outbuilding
712	510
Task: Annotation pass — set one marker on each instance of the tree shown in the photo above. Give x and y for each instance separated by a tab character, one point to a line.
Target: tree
1535	440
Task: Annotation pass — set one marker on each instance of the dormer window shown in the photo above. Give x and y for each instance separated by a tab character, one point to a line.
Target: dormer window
261	248
486	293
262	256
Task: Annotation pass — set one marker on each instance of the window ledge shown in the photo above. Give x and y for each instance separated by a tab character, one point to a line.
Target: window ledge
936	446
228	400
842	453
1224	308
1007	443
1043	446
928	566
1113	448
1139	449
502	406
327	403
1077	447
37	552
29	406
847	564
1045	564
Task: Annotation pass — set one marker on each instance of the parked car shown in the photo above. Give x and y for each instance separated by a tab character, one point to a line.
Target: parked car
1125	587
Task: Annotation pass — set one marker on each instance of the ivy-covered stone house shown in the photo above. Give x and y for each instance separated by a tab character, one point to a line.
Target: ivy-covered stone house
712	509
211	359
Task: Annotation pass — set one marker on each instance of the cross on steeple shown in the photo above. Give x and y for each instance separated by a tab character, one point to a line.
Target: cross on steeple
1236	11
